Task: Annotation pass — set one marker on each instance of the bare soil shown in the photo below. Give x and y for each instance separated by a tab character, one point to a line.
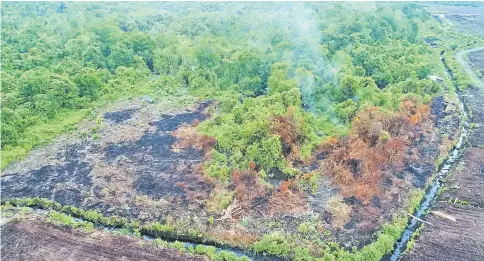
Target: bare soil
477	60
467	185
447	240
35	241
474	97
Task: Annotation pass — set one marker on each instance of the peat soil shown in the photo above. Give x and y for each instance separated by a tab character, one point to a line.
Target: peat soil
462	198
36	240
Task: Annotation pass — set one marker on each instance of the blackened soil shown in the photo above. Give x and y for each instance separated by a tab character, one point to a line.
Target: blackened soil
438	106
159	167
172	122
65	182
119	116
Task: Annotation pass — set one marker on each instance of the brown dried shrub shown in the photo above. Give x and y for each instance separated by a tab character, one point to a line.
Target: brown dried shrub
248	189
377	142
288	128
237	237
339	210
286	202
188	137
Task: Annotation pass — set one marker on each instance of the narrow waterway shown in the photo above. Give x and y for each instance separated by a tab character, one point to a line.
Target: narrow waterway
431	192
148	237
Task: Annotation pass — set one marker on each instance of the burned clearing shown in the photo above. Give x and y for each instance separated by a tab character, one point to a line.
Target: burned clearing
301	131
138	173
147	165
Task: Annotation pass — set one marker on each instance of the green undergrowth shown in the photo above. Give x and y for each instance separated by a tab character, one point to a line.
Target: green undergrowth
66	220
294	248
461	78
155	229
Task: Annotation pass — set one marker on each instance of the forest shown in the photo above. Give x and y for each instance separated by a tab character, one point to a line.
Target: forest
61	60
345	89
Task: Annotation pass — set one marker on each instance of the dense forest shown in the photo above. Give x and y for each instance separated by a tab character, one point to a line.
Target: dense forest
324	61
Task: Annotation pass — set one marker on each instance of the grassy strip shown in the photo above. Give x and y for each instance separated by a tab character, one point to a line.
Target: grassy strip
460	77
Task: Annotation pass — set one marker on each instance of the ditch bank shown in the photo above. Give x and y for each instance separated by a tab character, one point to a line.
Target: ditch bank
433	190
461	198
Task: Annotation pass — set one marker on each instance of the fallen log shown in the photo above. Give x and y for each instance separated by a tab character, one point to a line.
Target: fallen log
421	220
443	215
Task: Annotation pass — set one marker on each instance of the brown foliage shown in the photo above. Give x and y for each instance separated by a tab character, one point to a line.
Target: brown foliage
286	202
248	189
340	212
235	237
180	184
288	128
252	165
235	176
188	137
394	150
377	142
195	123
415	113
285	186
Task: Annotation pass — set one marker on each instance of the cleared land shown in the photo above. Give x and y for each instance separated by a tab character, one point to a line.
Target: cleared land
477	62
26	240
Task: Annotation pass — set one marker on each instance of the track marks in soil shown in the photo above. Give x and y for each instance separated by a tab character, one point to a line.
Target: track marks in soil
468	184
38	241
447	240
